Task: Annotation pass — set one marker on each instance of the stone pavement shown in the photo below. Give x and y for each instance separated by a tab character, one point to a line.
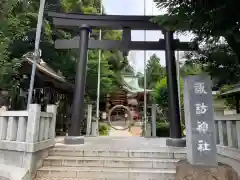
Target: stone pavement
134	131
122	144
119	133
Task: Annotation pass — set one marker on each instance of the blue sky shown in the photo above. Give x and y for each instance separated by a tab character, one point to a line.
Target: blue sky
136	7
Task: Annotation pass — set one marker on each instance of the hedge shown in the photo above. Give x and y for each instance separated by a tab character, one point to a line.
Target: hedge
163	130
104	130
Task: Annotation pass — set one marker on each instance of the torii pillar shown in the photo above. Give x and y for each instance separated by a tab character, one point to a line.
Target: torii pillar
173	101
77	118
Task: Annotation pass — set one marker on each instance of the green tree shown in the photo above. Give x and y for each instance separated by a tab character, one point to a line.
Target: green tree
120	66
206	19
216	59
12	28
17	36
160	93
215	25
190	67
107	83
154	71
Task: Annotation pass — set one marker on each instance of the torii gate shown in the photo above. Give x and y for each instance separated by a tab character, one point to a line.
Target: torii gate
84	24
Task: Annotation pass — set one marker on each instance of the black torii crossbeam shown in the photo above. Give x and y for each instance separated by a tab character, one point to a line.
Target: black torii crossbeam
116	22
121	45
126	23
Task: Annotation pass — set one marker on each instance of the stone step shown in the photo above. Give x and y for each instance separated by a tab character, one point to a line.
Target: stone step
93	173
66	152
110	162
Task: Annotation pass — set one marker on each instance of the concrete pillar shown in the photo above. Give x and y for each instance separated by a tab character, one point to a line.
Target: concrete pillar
230	134
3	128
89	119
95	128
41	128
221	134
22	126
33	123
154	120
12	129
149	129
238	133
52	109
46	128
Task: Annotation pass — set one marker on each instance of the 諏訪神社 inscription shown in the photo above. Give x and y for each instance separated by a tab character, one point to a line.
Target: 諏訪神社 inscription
201	139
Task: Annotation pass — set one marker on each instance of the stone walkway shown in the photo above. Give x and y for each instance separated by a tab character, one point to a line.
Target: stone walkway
136	131
119	133
121	143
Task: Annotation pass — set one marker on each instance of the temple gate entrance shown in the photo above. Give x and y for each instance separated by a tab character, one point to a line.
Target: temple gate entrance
84	24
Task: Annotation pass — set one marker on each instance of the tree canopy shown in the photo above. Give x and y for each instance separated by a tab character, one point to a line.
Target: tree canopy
154	72
17	37
215	25
160	93
207	19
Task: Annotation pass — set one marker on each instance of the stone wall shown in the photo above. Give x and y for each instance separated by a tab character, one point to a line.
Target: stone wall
186	171
25	138
24	164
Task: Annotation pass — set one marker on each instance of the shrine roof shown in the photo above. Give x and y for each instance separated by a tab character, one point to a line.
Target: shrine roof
131	84
41	66
235	90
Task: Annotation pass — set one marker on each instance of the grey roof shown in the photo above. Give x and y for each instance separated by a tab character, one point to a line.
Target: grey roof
45	69
235	89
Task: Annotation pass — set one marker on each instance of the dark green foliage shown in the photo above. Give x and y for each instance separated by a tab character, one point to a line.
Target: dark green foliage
229	100
17	37
163	129
154	72
216	29
160	93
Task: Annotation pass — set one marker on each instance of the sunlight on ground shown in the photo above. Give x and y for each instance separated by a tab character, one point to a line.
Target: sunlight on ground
135	131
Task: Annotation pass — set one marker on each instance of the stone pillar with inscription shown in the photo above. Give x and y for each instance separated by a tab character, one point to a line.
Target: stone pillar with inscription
198	108
201	161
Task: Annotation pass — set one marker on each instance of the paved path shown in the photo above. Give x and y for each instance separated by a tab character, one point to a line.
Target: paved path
119	133
136	131
121	143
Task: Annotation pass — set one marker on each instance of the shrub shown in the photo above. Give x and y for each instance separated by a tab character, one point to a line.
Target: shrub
104	130
163	129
